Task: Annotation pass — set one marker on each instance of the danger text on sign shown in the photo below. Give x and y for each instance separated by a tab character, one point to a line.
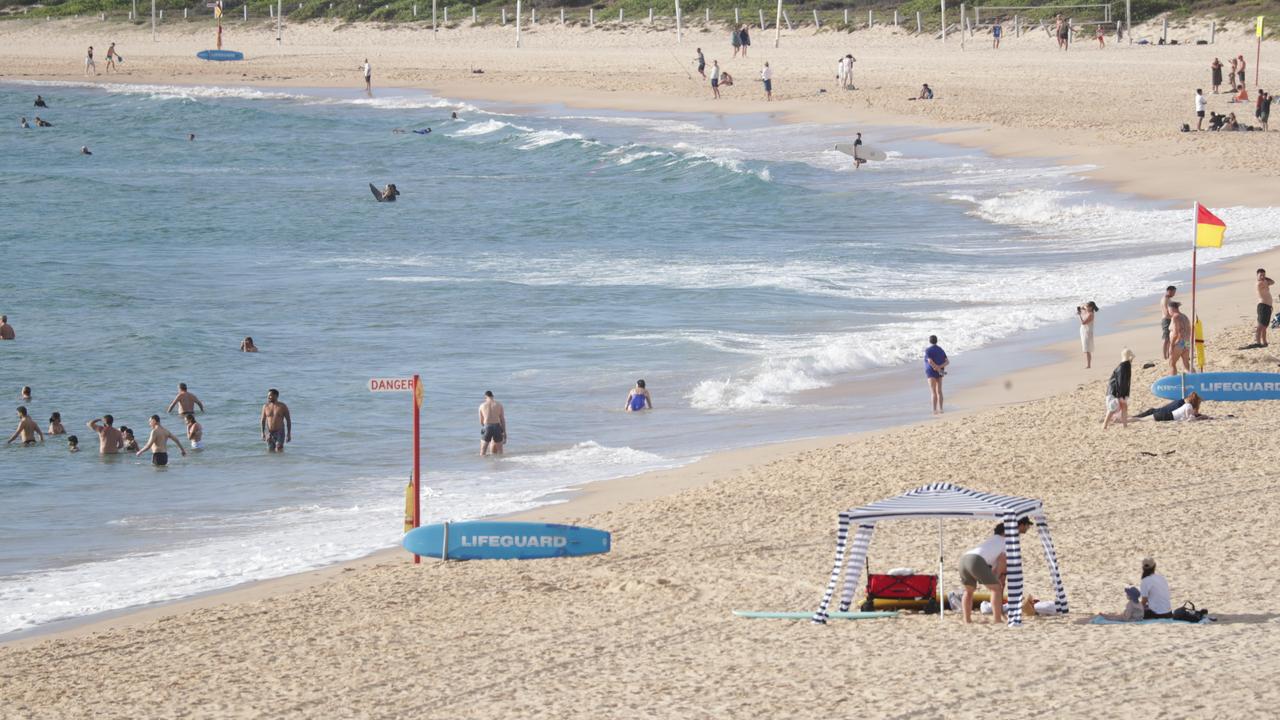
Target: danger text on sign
391	384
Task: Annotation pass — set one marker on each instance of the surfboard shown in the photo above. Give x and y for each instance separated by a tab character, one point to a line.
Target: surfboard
220	55
494	540
1220	386
376	192
765	614
866	153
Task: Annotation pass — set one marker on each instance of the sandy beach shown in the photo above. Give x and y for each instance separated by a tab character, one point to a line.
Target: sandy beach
647	630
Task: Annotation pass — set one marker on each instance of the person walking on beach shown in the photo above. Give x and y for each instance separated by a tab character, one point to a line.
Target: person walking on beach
277	424
1165	317
110	440
1063	31
847	82
935	367
493	425
744	34
111	59
195	432
702	64
715	79
638	399
1264	308
996	32
1102	43
986	564
6	330
1179	339
1240	70
368	76
27	429
1118	391
1232	77
1087	313
735	39
157	443
185	401
1199	110
1263	109
88	62
1215	73
766	77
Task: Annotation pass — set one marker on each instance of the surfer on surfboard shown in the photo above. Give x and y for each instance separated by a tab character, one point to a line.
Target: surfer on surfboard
387	194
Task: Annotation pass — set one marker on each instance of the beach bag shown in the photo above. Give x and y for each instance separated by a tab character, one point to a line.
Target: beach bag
906	592
1189	613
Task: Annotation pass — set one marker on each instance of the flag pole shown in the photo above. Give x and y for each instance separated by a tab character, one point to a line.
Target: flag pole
1195	217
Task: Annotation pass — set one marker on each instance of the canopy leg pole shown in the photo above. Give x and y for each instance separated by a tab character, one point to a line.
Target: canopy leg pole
942	603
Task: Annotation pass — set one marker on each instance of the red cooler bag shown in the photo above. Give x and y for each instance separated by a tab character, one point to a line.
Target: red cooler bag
902	587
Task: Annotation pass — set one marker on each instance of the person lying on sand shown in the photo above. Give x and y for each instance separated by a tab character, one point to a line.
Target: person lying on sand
1178	410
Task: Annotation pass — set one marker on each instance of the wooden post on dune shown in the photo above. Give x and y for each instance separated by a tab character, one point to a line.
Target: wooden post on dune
736	20
777	26
1213	30
679	28
474	15
153	22
817	24
919	24
963	19
518	23
763	26
562	16
446	16
944	20
846	16
434	28
504	17
871	18
591	17
895	18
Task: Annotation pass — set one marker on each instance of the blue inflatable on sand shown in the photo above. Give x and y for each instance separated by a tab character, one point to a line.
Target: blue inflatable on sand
220	55
1220	386
493	540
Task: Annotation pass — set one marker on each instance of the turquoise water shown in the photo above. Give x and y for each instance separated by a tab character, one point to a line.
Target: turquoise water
554	256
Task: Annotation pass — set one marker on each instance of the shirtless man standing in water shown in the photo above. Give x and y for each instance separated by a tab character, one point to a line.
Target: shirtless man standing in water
157	443
185	401
277	426
110	440
493	425
27	428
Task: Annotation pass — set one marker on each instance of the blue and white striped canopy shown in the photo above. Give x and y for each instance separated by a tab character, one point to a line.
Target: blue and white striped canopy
944	500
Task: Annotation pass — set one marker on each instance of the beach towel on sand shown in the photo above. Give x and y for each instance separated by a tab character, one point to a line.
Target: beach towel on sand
1100	620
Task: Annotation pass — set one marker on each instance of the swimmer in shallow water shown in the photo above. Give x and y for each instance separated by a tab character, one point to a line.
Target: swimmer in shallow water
638	399
55	425
40	102
22	123
73	443
195	433
390	193
247	345
84	150
40	122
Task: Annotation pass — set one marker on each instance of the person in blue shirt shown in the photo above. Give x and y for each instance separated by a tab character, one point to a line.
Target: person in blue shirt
935	366
638	399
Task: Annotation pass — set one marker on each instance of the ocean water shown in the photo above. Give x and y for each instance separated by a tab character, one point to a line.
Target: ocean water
741	267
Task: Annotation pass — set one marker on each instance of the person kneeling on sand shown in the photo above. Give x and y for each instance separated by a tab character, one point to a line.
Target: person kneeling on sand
985	565
1178	410
1154	591
1118	391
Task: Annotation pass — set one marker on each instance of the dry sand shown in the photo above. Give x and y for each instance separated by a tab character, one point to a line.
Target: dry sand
646	631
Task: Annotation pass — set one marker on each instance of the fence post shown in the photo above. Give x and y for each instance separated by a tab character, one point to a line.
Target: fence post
963	18
816	22
871	18
434	28
619	16
184	13
246	12
846	16
944	19
763	27
650	16
786	19
706	17
1213	30
736	20
679	29
474	16
1071	33
415	9
504	17
591	17
517	23
1164	30
777	26
533	15
561	16
919	26
895	18
446	16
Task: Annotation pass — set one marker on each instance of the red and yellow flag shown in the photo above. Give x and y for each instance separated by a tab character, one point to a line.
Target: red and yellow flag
1209	229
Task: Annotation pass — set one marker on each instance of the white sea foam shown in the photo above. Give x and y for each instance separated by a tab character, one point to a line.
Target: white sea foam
632	157
590	454
542	138
486	127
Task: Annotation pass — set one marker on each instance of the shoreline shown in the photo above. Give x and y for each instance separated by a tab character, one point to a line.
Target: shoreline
1048	375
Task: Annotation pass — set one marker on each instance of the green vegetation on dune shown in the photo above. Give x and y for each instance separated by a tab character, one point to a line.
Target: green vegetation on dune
831	12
